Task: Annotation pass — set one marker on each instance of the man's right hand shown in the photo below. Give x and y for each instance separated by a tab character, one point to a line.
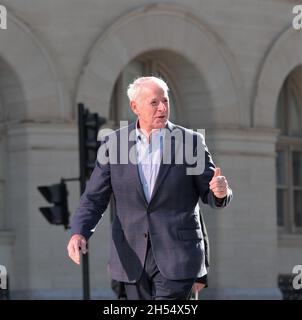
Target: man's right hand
76	244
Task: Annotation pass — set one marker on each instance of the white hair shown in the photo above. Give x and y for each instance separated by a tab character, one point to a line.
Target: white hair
135	87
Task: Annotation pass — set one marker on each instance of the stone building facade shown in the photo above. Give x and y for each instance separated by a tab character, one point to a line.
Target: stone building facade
234	68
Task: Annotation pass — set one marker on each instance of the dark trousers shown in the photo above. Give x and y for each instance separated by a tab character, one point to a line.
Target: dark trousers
153	286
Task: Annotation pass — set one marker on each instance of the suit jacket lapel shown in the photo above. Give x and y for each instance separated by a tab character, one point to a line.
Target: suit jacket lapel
133	168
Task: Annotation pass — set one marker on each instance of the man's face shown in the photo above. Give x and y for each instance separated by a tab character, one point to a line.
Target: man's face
152	107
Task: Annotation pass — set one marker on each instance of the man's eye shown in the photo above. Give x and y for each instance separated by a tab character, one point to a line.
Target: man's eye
154	103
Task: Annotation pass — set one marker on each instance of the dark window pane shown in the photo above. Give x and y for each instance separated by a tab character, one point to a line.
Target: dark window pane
281	112
280	162
297	168
298	208
295	112
280	207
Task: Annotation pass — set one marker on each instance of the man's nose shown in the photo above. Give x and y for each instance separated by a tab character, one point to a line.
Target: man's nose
162	106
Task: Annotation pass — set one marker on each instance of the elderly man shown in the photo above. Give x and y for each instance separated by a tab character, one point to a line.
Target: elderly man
157	245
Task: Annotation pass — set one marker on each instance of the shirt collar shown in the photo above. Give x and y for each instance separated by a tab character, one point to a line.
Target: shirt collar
141	137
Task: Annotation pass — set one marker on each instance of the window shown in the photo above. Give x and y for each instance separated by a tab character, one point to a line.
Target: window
120	109
289	155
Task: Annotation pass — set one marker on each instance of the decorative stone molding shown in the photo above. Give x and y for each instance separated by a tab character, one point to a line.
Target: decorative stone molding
283	57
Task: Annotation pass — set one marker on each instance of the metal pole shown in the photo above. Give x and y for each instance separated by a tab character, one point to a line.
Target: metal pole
85	260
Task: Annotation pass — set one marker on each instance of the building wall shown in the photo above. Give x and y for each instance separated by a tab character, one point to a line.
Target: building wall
220	55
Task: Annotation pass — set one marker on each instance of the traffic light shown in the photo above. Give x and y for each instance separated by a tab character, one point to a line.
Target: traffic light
56	194
89	125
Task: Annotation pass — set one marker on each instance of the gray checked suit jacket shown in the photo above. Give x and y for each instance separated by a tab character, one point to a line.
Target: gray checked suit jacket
171	218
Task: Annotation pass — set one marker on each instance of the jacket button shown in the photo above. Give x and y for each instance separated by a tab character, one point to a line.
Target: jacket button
145	235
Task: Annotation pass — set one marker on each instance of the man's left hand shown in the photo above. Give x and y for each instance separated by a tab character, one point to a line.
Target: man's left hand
219	184
197	286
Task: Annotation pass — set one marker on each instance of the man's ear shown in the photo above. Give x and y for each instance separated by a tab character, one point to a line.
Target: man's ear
134	107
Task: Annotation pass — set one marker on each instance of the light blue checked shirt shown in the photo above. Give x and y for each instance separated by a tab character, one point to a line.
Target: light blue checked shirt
149	158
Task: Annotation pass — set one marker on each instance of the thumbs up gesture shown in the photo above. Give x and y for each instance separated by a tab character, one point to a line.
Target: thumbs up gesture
219	184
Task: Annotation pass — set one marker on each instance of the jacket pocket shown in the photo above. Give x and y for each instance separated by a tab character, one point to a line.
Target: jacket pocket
190	234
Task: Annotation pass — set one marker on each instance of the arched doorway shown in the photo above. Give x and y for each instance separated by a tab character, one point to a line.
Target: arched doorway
169	66
193	43
289	154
